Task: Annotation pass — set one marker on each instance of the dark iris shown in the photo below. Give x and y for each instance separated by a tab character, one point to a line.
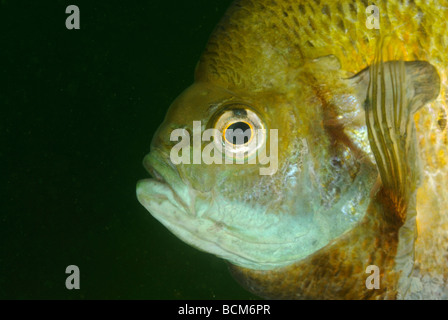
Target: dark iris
238	133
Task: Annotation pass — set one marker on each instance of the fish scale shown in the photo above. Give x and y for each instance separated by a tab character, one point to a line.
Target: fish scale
250	27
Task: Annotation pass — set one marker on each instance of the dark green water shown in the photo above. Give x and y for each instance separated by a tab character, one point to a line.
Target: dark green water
78	110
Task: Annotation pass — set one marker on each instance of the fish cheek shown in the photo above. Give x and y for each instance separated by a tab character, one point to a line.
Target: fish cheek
199	177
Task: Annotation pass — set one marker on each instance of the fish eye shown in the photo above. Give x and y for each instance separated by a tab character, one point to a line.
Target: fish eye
241	131
238	133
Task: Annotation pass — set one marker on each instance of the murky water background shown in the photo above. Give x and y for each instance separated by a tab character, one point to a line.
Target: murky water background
78	110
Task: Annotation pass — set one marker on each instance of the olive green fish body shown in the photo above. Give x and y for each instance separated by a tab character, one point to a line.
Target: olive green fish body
257	46
361	115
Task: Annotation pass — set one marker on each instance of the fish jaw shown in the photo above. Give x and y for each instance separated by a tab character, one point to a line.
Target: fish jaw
206	234
206	222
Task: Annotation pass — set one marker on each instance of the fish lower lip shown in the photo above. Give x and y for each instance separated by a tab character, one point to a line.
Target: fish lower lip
156	175
165	174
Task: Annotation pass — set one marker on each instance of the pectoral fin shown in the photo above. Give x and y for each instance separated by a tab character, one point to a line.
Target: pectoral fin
392	93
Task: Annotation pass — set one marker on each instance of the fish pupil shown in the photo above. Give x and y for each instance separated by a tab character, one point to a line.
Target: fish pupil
238	133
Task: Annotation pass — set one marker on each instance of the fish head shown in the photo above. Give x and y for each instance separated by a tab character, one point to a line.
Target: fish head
278	194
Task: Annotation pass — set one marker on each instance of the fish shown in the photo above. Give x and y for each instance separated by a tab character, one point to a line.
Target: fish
311	151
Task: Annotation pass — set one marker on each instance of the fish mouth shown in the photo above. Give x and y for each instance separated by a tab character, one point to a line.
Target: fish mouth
163	184
155	174
167	199
200	223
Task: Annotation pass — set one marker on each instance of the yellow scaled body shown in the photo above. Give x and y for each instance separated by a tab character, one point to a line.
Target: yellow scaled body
315	71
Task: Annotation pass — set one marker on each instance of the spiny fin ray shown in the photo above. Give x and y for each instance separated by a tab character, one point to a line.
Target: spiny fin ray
396	91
